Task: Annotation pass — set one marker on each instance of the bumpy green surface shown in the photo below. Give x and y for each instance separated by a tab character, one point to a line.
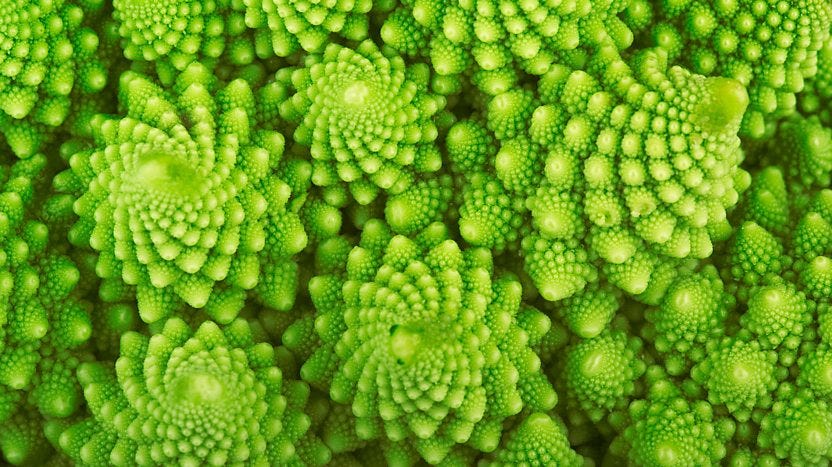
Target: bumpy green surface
616	170
416	232
366	117
771	47
193	397
799	429
426	347
51	62
171	34
43	323
497	39
536	442
291	25
668	430
181	200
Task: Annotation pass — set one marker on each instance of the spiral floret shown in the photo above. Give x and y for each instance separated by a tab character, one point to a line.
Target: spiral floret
367	118
50	60
600	373
212	396
799	428
769	46
425	346
738	374
180	199
644	155
537	441
668	429
289	26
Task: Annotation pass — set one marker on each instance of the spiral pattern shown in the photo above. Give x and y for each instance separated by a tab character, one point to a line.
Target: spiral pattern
180	200
366	118
207	397
429	350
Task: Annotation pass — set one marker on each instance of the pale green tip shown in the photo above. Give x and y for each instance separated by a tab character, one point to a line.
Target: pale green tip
198	388
723	107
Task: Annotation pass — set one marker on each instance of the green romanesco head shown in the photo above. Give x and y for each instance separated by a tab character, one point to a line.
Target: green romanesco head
622	166
210	396
669	430
599	373
289	26
180	198
815	371
769	46
49	60
737	374
799	429
537	441
426	345
692	313
366	117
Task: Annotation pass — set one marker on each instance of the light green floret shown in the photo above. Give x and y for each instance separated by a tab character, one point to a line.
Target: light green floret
590	311
640	164
803	147
495	40
213	396
817	95
489	215
180	198
769	46
669	430
428	349
816	372
537	441
692	313
43	322
366	117
175	33
738	374
787	233
48	59
755	255
288	26
599	373
777	315
492	184
423	203
799	430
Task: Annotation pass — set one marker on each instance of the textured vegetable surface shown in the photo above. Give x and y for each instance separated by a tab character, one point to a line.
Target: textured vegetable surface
416	232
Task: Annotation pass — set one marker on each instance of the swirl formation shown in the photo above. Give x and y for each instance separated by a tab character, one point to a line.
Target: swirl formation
180	200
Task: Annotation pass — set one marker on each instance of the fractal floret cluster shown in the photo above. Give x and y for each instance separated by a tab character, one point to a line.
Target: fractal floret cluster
416	232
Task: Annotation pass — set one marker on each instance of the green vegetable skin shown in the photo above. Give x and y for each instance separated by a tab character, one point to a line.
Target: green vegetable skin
416	232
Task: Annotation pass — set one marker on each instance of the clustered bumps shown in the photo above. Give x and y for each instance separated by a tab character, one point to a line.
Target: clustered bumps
415	232
537	441
172	34
209	396
289	25
367	119
575	152
179	202
420	340
495	40
51	61
43	321
771	47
